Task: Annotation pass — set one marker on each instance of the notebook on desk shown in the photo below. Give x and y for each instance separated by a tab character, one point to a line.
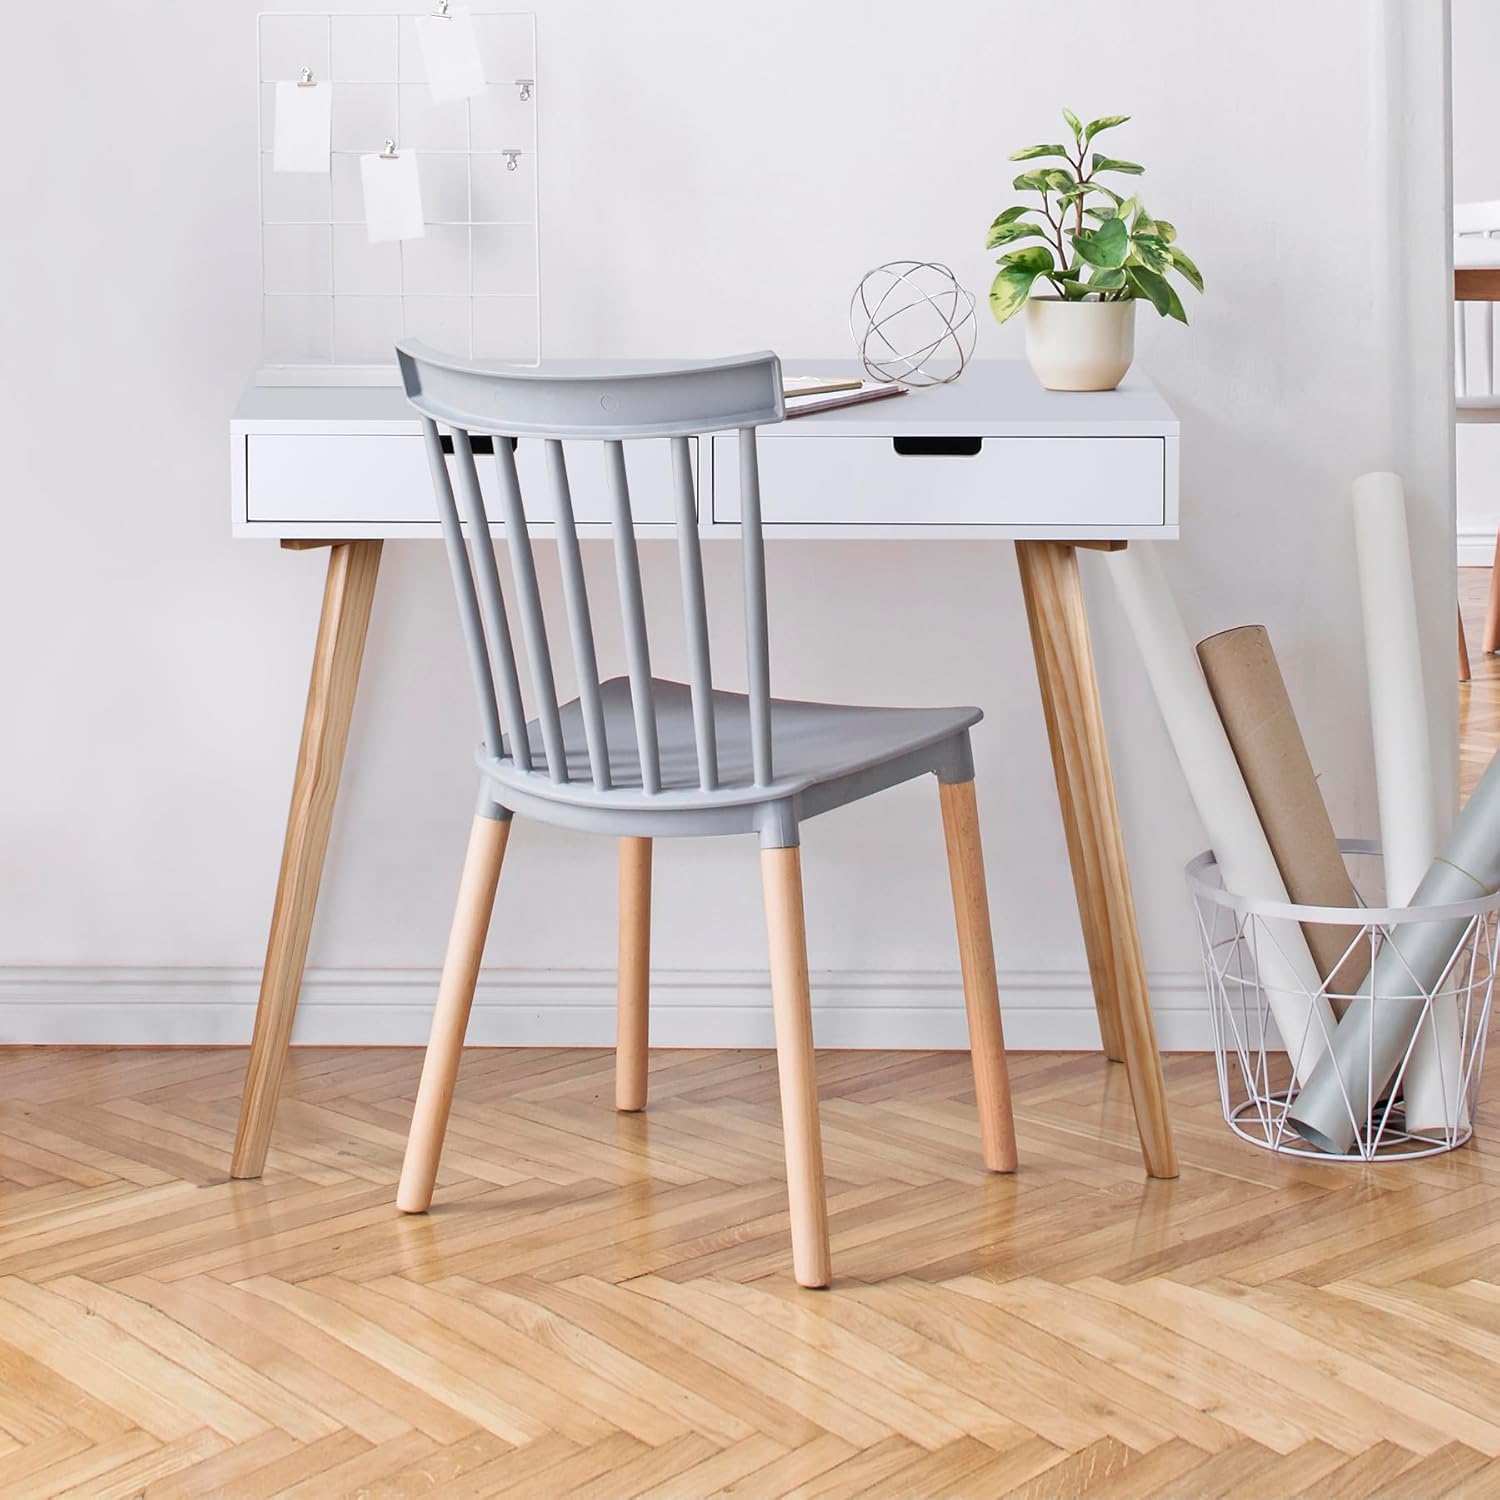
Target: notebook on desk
806	394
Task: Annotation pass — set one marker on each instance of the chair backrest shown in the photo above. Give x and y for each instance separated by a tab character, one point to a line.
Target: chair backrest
1474	321
676	403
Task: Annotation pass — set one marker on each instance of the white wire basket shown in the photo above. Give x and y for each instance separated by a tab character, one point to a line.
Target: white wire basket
1257	1085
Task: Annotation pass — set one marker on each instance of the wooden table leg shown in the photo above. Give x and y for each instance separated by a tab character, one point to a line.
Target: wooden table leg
347	596
1086	791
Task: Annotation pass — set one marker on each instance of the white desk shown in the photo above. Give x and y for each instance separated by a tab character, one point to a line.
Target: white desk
991	457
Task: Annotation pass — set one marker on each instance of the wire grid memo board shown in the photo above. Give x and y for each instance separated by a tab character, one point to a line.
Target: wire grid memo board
333	304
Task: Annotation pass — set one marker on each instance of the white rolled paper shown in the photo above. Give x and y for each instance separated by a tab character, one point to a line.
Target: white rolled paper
1284	965
1403	762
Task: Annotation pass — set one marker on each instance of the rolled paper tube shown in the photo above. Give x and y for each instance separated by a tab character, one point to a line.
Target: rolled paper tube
1256	711
1403	761
1284	966
1398	700
1377	1029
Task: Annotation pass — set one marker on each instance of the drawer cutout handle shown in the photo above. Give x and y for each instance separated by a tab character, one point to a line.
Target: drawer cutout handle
480	442
937	447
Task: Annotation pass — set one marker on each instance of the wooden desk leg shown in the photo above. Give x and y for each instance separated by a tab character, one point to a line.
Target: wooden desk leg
347	596
1086	791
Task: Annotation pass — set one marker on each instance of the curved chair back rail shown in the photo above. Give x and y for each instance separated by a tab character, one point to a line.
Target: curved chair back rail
677	404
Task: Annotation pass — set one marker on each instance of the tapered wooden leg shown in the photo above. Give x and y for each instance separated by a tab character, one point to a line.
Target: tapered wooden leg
450	1019
1086	791
347	597
791	997
1492	609
1465	673
1083	856
976	952
633	999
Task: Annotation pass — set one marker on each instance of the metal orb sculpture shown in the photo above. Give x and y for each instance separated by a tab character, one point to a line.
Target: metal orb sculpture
913	322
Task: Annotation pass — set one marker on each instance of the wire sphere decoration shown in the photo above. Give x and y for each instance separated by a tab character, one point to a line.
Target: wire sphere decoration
911	321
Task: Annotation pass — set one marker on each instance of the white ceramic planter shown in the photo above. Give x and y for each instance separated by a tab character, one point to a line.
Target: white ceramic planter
1079	346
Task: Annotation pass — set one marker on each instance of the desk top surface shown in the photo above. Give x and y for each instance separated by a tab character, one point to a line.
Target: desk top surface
993	398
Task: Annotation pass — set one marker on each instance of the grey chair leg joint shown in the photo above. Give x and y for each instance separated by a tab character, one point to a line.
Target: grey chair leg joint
778	825
956	763
487	807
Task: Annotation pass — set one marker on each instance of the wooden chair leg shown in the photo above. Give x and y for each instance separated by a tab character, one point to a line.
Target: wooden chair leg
1465	672
348	593
781	877
1491	640
633	1000
976	952
471	925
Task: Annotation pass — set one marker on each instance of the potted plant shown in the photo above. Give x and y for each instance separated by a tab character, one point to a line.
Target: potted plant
1101	253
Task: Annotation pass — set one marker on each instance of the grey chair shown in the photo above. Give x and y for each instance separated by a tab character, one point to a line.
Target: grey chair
638	757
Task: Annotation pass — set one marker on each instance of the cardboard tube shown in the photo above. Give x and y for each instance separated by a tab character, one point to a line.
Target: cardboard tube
1285	967
1403	761
1377	1029
1251	697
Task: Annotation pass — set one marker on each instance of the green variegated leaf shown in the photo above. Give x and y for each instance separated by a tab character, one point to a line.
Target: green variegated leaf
1010	289
1107	280
1104	122
1106	246
1168	232
1031	182
1190	272
1073	123
1014	212
1075	291
1059	179
1158	291
1003	234
1028	152
1113	164
1151	252
1037	258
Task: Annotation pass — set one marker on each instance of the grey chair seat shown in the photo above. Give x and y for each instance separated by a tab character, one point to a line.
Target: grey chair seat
825	754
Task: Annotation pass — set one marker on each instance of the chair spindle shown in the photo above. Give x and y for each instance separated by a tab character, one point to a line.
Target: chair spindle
580	625
492	601
695	613
757	632
469	618
529	597
633	612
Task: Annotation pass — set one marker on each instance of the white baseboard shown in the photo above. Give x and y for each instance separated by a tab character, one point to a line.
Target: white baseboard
1476	549
564	1008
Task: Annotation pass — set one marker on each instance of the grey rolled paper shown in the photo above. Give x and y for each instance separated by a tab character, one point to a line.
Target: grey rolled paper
1377	1029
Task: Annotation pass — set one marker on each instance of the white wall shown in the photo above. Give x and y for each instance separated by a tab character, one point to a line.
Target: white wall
1476	179
717	179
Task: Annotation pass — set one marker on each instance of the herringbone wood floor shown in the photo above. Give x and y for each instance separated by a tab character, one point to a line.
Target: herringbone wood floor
601	1304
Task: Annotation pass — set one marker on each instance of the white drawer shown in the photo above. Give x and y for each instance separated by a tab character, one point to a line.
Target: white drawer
1045	482
336	479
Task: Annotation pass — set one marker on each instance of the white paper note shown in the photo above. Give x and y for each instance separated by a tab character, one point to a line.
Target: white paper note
393	197
303	116
451	56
